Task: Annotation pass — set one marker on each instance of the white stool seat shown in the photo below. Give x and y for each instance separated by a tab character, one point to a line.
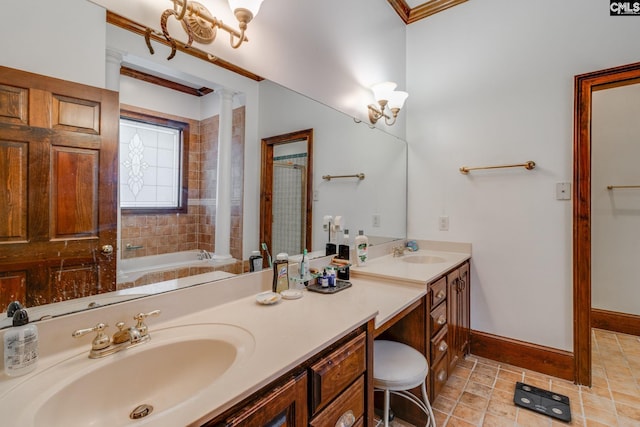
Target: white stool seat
397	366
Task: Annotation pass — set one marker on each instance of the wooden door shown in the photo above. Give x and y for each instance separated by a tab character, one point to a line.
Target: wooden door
58	173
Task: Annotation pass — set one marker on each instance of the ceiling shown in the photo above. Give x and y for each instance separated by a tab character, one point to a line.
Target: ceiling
415	10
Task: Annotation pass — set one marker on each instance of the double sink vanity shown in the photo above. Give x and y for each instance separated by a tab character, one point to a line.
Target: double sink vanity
217	357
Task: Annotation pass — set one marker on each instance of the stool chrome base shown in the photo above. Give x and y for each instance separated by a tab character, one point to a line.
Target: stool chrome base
423	404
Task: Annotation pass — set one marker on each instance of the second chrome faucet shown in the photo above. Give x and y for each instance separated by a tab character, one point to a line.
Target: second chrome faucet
102	345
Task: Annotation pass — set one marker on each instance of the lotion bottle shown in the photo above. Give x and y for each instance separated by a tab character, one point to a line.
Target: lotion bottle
20	345
362	245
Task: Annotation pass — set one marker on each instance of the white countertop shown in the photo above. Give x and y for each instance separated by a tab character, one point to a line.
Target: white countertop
401	269
285	334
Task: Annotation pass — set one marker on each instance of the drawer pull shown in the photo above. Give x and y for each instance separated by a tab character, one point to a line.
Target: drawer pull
441	294
443	347
346	420
442	376
441	320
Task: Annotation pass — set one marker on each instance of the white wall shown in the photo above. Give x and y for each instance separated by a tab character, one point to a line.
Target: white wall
46	37
491	82
615	214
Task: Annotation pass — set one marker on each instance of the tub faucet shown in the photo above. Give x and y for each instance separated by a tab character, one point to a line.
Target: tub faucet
204	255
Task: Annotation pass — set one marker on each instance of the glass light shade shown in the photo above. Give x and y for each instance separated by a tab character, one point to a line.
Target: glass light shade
383	91
251	5
397	98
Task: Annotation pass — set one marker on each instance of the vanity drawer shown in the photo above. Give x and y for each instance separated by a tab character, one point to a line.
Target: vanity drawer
438	318
331	374
438	291
439	346
351	400
440	375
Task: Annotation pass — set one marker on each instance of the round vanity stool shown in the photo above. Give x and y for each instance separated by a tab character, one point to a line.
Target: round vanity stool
398	368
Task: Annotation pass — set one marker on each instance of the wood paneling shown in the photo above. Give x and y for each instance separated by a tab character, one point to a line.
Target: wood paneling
74	185
14	104
13	287
75	115
73	281
535	357
13	195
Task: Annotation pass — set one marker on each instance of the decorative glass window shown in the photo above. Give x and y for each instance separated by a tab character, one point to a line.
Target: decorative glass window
153	164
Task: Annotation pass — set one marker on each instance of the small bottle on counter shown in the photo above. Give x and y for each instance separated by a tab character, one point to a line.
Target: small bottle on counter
324	279
255	261
362	248
281	273
20	345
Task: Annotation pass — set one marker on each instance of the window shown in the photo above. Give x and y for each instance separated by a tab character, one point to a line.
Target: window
153	164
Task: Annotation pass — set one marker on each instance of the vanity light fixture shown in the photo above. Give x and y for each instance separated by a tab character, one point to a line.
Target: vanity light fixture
201	26
387	97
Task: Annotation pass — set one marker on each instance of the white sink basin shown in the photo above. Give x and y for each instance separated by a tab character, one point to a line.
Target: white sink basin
175	366
423	259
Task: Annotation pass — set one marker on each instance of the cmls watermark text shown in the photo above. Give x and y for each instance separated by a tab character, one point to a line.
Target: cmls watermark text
622	8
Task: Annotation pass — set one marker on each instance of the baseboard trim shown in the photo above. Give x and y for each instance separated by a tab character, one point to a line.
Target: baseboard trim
615	321
546	360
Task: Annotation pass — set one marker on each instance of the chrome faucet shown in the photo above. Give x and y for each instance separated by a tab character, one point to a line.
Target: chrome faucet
102	345
204	255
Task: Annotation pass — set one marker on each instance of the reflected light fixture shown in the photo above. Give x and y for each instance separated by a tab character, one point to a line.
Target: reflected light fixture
387	97
201	26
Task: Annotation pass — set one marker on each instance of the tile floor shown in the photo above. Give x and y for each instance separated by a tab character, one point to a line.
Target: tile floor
480	392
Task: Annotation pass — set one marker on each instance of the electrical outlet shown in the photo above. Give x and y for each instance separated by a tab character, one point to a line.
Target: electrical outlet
375	220
315	195
443	223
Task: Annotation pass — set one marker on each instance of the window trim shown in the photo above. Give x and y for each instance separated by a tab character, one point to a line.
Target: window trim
183	196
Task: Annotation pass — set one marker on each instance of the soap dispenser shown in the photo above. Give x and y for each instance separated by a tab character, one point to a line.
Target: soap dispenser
20	345
281	273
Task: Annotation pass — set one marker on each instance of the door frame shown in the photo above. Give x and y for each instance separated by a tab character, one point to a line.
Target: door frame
584	86
266	183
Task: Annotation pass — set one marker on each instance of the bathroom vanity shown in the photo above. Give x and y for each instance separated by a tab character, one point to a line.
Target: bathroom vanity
229	360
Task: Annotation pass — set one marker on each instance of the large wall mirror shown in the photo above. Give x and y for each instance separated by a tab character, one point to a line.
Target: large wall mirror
341	146
606	208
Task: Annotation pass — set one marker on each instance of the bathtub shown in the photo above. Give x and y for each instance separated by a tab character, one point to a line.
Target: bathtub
132	270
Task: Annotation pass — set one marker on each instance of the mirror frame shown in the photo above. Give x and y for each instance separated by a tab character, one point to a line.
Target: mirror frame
583	89
266	182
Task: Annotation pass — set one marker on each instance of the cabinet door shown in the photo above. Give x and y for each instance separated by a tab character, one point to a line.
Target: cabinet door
465	312
284	406
453	306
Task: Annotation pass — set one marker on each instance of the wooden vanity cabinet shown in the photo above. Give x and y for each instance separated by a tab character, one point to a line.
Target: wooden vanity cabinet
328	387
284	406
459	319
448	324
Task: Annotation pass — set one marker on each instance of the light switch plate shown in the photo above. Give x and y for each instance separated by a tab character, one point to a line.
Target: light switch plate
563	191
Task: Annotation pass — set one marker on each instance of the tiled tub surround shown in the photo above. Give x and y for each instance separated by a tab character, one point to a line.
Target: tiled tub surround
167	233
139	271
